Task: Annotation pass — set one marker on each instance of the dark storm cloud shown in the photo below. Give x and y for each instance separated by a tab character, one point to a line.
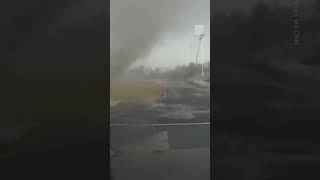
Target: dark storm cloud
136	26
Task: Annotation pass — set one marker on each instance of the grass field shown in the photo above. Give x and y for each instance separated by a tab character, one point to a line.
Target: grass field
136	91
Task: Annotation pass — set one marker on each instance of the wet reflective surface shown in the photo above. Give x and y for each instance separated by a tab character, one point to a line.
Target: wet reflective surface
169	139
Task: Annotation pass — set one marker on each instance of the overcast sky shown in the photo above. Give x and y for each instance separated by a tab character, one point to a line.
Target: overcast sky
160	33
179	46
165	35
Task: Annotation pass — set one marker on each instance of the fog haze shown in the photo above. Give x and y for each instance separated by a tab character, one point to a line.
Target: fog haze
155	33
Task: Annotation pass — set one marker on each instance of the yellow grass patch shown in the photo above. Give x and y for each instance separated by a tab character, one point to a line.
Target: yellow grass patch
136	92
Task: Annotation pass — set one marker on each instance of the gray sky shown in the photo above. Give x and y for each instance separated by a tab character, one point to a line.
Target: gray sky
179	46
160	33
156	33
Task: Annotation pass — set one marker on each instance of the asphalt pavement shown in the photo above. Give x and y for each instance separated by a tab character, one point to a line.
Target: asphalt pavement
166	140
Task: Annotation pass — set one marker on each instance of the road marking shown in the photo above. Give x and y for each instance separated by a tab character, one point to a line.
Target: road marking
172	124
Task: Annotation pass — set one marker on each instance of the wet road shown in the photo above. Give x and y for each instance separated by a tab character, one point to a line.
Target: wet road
174	150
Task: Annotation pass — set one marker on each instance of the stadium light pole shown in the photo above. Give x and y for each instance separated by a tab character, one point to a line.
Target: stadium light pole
199	30
202	58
